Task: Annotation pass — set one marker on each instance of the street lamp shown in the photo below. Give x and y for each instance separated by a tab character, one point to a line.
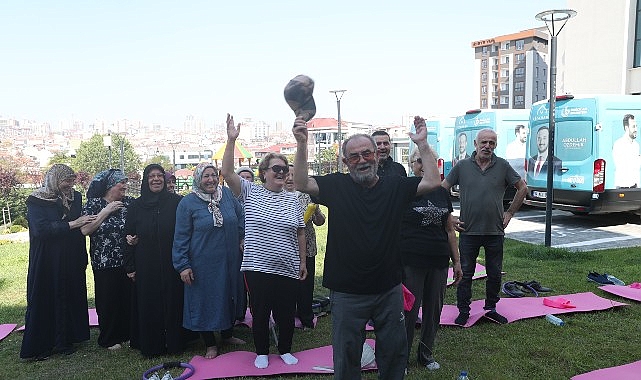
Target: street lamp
551	17
106	141
173	148
339	96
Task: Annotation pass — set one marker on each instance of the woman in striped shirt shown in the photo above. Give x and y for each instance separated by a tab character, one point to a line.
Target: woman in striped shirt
274	255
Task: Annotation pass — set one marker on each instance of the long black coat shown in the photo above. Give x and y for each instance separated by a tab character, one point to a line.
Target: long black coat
56	313
158	305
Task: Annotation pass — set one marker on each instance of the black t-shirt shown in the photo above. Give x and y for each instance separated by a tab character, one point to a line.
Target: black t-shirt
362	255
424	240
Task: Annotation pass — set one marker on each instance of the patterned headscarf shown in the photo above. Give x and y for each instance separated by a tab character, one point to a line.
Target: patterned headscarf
213	199
103	181
51	190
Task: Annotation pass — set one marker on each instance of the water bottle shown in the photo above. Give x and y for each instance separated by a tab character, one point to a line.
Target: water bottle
463	376
554	320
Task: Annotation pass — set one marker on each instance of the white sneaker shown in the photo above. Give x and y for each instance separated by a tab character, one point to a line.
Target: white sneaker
433	366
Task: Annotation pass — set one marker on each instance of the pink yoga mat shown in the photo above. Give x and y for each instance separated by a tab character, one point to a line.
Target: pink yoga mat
241	363
529	307
623	291
6	329
630	371
93	319
249	321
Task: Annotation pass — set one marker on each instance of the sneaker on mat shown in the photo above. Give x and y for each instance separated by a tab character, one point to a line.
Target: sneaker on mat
496	317
462	318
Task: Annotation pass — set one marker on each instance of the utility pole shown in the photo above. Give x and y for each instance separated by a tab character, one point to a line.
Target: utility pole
339	96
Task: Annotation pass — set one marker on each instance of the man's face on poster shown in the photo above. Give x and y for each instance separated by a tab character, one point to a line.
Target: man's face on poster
522	135
632	129
462	142
542	140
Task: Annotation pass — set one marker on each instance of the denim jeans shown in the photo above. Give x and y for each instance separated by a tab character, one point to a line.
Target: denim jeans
469	247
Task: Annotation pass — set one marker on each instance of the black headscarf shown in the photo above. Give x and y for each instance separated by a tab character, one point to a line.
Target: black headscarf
148	198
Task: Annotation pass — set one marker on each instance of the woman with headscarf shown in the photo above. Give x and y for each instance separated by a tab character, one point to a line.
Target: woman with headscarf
206	253
170	179
158	294
106	200
56	316
274	259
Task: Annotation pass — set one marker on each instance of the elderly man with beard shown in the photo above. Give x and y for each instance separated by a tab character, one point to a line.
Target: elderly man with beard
362	260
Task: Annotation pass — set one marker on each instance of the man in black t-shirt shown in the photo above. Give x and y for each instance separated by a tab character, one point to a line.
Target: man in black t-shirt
362	258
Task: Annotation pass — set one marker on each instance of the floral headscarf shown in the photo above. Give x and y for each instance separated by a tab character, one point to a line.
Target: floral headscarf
103	181
51	190
213	199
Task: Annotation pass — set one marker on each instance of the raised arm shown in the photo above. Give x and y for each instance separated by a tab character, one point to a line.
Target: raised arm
431	177
227	169
302	181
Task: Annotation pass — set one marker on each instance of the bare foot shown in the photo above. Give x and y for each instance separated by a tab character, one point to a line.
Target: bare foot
234	341
211	353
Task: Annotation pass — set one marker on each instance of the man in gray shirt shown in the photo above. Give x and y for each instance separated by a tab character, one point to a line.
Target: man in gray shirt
482	180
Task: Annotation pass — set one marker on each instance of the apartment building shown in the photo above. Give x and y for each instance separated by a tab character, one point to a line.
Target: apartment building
512	70
599	50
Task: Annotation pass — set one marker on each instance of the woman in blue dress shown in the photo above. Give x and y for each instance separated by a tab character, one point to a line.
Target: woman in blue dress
206	253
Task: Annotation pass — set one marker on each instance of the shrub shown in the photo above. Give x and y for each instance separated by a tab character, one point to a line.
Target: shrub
20	221
16	228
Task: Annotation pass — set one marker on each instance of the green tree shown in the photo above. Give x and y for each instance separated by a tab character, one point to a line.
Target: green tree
162	161
327	160
92	156
61	157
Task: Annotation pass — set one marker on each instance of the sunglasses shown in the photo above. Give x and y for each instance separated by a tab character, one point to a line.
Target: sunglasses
280	169
419	160
354	158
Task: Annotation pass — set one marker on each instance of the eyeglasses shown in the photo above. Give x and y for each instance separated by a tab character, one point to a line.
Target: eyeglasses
355	157
419	160
280	169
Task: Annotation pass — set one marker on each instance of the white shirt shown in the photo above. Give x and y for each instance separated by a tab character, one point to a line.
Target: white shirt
627	163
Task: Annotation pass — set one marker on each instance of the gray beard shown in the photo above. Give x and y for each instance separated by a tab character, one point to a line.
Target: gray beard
364	178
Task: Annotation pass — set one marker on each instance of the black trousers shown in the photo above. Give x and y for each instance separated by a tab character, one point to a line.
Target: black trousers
272	294
113	305
306	295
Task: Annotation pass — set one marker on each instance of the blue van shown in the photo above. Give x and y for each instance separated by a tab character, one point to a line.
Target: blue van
511	127
440	132
596	159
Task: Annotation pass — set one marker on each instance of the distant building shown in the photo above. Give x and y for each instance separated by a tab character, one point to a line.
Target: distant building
512	70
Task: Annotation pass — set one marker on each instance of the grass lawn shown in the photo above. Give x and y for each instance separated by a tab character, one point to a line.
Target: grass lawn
525	349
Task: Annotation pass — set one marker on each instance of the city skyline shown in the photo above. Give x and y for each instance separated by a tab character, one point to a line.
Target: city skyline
159	62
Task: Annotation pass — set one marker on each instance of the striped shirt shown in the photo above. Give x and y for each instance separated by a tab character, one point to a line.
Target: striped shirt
271	223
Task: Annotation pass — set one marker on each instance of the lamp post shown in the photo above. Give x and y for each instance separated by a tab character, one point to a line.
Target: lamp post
551	17
173	148
106	141
339	96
